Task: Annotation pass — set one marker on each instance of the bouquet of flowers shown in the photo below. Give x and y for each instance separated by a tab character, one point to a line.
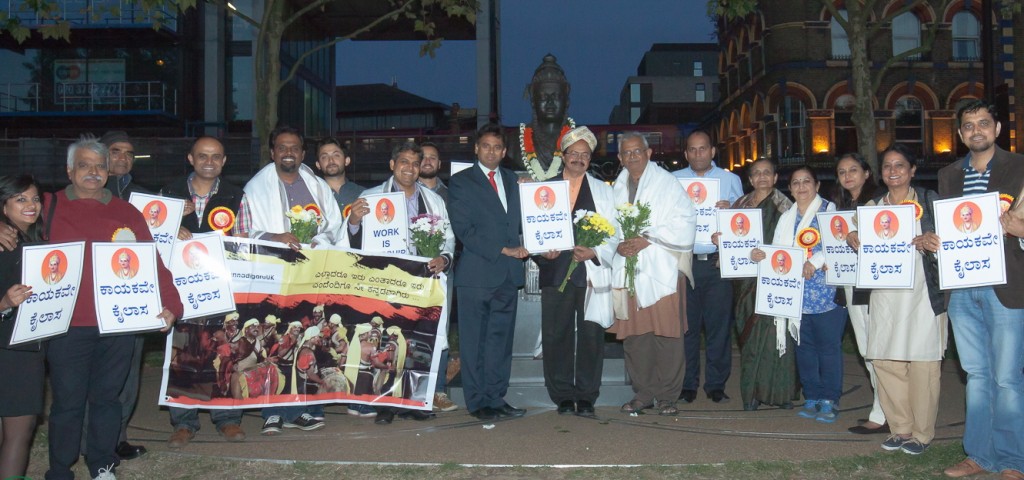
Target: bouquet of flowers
591	230
305	221
428	234
633	218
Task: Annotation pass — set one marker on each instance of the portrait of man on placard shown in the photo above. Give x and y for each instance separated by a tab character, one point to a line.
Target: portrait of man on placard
967	217
156	213
697	193
54	267
740	225
385	211
781	263
125	264
195	254
839	228
544	198
886	225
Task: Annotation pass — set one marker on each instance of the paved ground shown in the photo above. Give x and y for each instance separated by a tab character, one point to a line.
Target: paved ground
703	433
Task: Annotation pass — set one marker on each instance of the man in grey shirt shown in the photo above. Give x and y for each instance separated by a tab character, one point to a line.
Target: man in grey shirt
332	160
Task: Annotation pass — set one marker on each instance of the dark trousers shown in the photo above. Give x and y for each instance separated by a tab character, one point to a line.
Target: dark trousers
708	308
189	418
573	347
487	319
130	392
86	368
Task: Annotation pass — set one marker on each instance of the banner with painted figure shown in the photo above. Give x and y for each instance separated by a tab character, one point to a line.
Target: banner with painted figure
312	326
126	289
971	254
202	279
840	257
386	228
780	282
547	219
704	193
55	273
886	255
163	216
741	232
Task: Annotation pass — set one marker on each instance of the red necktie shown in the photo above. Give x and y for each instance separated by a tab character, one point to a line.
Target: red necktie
490	177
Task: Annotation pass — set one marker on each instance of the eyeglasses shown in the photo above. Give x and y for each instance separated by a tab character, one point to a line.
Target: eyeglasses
117	152
578	155
634	153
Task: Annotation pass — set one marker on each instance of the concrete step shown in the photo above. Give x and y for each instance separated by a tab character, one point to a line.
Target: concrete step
526	388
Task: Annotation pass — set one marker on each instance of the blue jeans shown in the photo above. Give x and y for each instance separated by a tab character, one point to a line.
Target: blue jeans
189	418
989	339
442	373
819	356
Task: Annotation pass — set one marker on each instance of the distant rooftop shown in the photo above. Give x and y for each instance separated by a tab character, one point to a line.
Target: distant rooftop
378	97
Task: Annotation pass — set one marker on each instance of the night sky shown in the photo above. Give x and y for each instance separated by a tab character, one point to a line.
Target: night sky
599	43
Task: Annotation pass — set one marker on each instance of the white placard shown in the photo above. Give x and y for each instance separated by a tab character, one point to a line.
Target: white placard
201	276
780	282
162	216
971	254
460	166
547	221
886	256
704	193
55	273
126	287
840	258
742	231
386	227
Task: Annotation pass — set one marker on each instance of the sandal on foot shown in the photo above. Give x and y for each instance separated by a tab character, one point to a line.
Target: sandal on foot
667	408
634	406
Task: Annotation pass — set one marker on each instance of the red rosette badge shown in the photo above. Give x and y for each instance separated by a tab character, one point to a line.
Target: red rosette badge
316	211
918	211
1005	202
348	210
221	218
808	238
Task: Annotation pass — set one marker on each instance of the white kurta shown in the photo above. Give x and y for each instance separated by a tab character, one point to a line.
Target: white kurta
598	304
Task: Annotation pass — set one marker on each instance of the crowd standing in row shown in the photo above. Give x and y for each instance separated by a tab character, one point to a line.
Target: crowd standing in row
679	293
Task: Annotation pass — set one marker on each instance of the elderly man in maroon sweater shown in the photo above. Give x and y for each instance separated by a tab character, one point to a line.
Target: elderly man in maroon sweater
86	368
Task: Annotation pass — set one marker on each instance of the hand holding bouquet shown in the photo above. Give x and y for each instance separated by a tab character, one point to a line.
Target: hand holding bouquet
428	234
633	218
305	221
591	231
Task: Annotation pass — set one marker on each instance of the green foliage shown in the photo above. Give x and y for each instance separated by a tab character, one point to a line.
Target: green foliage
731	9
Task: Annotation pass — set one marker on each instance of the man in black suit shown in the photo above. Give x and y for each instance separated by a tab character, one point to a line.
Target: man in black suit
485	214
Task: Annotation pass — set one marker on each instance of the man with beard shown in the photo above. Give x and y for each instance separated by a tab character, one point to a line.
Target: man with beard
332	160
274	190
430	168
205	194
988	322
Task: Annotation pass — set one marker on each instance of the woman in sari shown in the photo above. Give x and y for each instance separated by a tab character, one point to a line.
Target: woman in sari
856	187
765	376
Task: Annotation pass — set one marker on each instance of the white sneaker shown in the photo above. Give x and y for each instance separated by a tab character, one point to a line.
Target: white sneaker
106	473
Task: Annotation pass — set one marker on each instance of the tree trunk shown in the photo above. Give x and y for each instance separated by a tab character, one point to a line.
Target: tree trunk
863	90
267	66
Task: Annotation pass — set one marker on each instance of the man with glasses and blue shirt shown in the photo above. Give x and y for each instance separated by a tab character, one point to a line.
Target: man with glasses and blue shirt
709	298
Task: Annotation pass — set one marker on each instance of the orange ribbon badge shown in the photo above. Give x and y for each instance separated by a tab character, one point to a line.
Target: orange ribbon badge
221	218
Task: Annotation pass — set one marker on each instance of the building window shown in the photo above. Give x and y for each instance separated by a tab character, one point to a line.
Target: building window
792	118
634	93
966	37
846	131
698	69
840	42
699	93
906	34
909	123
634	114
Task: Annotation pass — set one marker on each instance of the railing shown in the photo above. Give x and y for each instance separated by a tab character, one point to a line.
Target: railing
94	13
88	97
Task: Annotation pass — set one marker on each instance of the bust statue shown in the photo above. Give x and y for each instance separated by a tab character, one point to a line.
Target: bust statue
538	150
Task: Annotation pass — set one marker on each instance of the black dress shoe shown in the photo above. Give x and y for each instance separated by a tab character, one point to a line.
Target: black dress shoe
566	407
385	417
486	413
507	410
688	396
750	407
584	408
418	415
862	430
718	396
127	451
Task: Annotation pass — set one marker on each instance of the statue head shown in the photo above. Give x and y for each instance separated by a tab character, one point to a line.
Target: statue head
549	92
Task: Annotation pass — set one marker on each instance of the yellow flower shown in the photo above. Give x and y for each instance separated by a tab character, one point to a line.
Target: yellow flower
296	209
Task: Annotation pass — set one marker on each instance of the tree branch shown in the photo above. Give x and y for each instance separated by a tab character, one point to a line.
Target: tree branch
231	11
925	47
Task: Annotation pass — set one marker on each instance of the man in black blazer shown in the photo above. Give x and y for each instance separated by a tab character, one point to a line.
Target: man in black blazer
484	210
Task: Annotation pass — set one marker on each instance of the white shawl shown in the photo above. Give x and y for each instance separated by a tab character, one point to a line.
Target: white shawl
673	226
267	204
785	236
598	303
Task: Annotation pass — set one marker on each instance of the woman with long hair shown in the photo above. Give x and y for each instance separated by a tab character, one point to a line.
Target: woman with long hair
907	333
765	376
855	188
819	356
21	366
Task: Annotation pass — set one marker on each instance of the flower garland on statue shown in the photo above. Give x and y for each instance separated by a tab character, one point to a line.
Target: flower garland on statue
529	153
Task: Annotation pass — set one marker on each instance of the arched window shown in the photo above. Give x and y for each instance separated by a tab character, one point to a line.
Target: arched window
906	33
840	41
846	131
966	37
909	123
792	118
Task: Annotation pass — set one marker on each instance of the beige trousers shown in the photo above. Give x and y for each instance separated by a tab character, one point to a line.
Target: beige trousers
909	394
